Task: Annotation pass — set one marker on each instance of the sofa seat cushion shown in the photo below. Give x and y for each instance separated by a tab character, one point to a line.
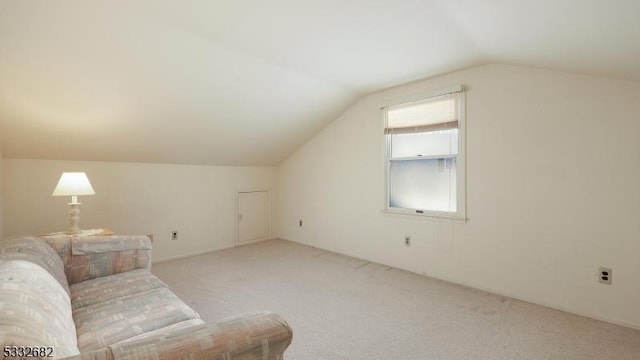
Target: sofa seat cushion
106	323
94	291
34	308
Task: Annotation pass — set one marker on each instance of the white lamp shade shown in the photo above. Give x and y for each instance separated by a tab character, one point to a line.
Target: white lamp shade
72	184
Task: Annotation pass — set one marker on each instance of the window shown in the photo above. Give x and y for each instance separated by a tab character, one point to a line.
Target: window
425	155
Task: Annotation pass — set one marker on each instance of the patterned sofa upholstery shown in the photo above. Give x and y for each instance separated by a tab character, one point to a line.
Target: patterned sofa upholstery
94	297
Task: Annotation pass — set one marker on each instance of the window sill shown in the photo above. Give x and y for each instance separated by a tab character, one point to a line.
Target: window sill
426	214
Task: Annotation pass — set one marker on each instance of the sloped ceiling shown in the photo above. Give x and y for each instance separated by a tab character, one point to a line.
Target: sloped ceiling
247	82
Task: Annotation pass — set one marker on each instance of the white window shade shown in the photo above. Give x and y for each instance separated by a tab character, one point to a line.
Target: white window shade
439	113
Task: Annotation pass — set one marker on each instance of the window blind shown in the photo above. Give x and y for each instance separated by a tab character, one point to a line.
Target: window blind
436	113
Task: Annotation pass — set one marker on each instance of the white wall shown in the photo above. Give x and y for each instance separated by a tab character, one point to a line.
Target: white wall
552	176
133	198
1	199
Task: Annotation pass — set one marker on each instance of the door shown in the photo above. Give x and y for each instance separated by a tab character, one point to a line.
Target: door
254	216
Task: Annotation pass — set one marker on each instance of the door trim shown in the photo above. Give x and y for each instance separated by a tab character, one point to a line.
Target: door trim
237	214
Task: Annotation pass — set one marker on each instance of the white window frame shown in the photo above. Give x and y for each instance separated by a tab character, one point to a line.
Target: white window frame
461	177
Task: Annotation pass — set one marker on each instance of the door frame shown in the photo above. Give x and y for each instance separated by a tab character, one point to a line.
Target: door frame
237	213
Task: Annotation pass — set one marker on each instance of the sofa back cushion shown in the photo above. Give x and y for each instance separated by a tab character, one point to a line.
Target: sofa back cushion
34	250
90	257
35	309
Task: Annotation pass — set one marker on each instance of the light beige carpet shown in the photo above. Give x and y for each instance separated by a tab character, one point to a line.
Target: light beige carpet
345	308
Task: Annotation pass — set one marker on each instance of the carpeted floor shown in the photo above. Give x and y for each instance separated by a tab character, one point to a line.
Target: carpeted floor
345	308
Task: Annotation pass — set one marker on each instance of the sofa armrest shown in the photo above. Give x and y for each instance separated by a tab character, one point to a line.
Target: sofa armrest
257	336
88	257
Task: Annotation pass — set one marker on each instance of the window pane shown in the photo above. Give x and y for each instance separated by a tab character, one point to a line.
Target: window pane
433	143
427	184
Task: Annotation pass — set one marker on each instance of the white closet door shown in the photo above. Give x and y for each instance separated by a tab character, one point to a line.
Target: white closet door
254	216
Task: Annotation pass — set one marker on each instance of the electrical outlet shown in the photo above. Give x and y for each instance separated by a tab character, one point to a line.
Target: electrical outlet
300	223
174	235
605	275
407	240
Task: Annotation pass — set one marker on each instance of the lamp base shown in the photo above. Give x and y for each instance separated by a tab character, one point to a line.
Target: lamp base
74	218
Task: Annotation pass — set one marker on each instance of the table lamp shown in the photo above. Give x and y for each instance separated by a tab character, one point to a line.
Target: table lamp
73	184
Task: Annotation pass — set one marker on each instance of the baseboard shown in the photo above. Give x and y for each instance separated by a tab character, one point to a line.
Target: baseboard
488	290
200	252
195	253
539	303
253	242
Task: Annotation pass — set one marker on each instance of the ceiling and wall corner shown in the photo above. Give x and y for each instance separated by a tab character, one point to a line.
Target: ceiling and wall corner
247	83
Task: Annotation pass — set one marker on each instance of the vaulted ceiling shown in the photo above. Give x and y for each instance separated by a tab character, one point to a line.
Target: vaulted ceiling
247	82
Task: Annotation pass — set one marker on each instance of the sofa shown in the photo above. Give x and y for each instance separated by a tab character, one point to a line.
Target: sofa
94	297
